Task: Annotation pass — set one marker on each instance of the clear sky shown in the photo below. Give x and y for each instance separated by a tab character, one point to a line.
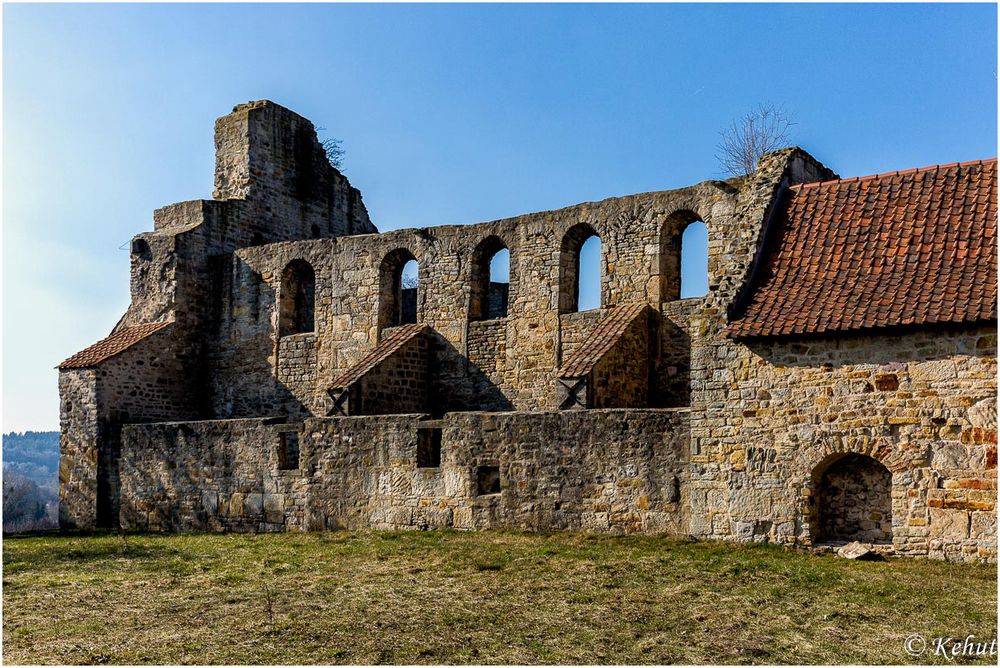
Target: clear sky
449	114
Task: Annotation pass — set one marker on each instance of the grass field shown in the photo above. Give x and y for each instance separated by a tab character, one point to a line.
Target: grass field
446	597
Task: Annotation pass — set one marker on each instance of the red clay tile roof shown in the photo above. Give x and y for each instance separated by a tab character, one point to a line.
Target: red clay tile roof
111	346
916	247
396	339
601	340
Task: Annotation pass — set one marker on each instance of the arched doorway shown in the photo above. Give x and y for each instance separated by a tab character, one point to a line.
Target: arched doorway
854	500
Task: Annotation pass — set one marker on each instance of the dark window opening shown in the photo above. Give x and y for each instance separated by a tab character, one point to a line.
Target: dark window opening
288	451
315	232
141	250
428	448
256	239
580	270
487	480
298	299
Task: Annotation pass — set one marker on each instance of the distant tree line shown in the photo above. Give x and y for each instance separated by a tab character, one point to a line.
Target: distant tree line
26	506
30	480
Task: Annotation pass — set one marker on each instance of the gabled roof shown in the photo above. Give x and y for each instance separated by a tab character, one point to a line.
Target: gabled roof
601	340
396	339
916	247
112	345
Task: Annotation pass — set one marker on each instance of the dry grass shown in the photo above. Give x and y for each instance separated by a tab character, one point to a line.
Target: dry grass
445	597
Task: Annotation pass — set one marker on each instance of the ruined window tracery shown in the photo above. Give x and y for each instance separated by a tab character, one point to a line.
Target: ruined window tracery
297	300
580	270
490	285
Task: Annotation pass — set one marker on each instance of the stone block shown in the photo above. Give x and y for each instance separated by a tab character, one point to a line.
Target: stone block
253	504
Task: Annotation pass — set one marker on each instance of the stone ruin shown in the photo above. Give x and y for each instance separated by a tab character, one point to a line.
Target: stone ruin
273	373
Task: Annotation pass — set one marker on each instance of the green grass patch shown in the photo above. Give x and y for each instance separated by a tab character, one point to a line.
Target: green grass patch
487	598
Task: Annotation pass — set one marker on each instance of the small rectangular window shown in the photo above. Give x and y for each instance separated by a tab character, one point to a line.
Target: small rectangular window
428	448
288	450
487	480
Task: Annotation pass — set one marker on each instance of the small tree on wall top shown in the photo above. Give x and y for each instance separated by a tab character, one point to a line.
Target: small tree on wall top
761	130
334	149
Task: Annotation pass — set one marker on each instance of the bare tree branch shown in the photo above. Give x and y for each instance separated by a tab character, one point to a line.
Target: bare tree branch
334	149
766	128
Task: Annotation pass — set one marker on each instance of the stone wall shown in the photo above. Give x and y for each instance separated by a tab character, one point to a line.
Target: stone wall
778	413
215	475
487	354
297	372
608	471
79	448
350	286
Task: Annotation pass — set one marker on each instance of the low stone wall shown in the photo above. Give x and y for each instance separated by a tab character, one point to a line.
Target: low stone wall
219	475
615	471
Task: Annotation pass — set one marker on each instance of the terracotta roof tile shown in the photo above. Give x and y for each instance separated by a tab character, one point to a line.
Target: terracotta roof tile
601	340
397	337
112	345
915	247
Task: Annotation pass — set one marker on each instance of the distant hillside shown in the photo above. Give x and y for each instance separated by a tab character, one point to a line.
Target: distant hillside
33	454
30	480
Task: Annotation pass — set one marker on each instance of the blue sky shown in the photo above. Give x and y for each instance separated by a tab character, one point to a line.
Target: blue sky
449	114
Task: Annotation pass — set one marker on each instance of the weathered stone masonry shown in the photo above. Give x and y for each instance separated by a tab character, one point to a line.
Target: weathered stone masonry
265	378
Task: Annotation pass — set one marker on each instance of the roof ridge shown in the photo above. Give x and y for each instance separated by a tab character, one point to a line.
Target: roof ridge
898	172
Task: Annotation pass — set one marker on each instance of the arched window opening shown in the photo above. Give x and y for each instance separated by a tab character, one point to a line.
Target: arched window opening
409	282
854	501
683	257
398	289
694	260
141	250
297	299
580	270
490	280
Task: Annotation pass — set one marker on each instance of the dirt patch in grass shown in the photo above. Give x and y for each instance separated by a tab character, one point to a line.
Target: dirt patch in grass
485	598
